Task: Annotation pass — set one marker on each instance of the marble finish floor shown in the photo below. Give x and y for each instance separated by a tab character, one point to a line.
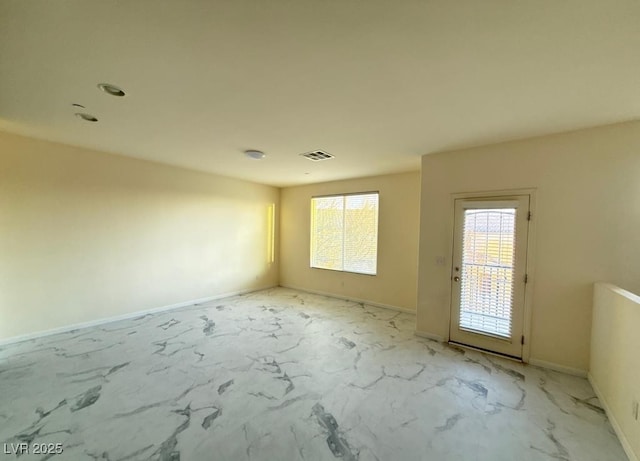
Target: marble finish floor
285	375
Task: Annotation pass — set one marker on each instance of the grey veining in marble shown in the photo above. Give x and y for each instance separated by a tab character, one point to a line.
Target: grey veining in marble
285	375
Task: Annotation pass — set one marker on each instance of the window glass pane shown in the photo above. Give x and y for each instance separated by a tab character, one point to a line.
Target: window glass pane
327	232
488	255
344	232
361	233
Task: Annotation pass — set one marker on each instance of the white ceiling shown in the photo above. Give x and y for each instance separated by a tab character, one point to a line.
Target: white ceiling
377	83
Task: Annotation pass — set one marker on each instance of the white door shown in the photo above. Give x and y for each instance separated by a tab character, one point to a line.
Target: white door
489	273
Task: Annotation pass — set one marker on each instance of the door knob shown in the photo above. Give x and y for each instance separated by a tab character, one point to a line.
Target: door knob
456	279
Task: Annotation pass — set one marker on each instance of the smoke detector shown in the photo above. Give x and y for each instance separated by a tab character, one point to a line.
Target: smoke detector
255	154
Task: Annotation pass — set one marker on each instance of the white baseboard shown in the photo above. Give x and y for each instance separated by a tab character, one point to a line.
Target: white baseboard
356	300
534	362
616	427
129	315
426	334
561	368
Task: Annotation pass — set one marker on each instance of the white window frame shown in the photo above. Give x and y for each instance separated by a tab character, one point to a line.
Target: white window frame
312	231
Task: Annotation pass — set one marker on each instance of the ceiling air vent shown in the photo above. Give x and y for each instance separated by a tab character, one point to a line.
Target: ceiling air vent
317	155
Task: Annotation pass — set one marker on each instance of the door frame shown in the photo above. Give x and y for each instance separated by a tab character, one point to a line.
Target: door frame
531	252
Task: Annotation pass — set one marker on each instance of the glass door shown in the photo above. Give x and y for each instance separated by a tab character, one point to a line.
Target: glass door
488	279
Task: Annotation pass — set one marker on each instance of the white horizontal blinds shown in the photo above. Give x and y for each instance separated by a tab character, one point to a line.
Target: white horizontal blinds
344	232
361	233
488	257
327	230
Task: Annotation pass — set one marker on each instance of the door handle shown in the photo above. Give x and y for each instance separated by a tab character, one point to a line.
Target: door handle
456	279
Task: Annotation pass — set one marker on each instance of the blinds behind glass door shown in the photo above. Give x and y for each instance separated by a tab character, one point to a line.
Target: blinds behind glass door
488	257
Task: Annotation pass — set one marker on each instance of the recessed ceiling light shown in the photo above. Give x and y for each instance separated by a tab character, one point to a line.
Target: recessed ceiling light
254	154
87	117
77	105
111	89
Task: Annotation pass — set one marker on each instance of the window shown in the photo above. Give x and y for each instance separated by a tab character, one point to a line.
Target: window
344	232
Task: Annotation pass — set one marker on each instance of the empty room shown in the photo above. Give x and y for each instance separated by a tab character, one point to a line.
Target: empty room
319	230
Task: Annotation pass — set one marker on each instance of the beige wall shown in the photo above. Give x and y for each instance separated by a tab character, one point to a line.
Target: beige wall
614	367
395	282
587	222
86	235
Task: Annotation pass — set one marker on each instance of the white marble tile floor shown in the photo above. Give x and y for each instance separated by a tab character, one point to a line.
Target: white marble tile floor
285	375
